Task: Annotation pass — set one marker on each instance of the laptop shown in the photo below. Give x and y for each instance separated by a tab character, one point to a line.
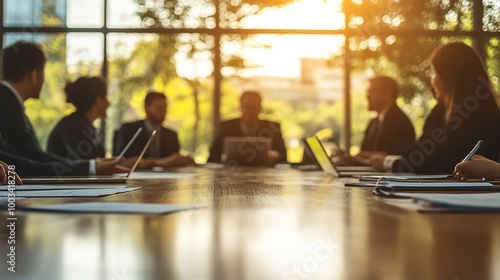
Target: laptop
321	157
91	179
249	151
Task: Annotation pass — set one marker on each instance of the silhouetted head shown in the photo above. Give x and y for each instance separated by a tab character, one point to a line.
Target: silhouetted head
250	104
88	93
24	62
382	92
457	72
155	106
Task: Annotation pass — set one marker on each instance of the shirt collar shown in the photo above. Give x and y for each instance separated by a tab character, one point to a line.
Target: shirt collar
149	126
382	114
249	130
16	94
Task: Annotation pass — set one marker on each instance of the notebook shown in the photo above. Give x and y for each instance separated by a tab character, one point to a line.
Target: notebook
91	179
320	155
250	151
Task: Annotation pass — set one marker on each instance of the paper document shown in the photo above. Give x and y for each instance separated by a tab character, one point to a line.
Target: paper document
69	193
113	207
161	175
431	185
404	177
473	201
61	187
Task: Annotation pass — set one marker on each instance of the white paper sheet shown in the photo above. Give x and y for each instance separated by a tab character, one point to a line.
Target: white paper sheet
113	207
404	177
62	187
161	175
450	185
69	193
475	200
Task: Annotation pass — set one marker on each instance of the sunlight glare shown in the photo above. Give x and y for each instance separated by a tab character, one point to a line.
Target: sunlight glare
303	14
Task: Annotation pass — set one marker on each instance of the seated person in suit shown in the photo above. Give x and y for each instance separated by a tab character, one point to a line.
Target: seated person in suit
8	174
467	111
23	72
391	131
75	133
249	124
164	150
477	167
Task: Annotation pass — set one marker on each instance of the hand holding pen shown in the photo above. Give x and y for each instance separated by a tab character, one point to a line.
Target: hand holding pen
476	166
472	152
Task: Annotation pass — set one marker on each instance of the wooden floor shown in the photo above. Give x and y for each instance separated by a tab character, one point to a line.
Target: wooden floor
257	224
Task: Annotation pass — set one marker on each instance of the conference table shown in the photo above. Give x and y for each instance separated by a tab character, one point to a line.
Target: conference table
252	223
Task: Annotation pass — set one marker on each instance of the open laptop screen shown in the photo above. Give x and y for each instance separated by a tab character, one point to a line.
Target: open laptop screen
321	156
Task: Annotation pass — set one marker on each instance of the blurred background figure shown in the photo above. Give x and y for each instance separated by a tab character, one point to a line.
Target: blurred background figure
250	125
164	150
391	131
75	134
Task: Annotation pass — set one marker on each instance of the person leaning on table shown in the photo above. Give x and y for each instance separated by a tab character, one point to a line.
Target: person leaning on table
23	66
477	167
467	111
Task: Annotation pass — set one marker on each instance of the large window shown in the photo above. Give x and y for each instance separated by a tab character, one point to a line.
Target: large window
310	59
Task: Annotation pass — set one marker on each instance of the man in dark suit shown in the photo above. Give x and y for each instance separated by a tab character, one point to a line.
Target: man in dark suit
249	124
23	73
164	150
390	132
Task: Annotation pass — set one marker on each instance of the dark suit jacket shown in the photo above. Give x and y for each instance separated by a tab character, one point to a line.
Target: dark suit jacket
17	133
232	128
444	144
395	134
169	142
74	134
28	167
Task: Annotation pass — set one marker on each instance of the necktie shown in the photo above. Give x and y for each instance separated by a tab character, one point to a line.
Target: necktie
374	135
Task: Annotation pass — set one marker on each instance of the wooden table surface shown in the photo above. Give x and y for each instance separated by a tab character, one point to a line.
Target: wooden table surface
256	224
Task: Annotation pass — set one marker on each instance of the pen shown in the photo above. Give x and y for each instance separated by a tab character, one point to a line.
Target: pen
473	151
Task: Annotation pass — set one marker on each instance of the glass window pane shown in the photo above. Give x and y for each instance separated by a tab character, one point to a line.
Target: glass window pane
300	88
493	61
88	13
369	17
302	14
85	54
69	56
179	66
491	17
34	13
168	14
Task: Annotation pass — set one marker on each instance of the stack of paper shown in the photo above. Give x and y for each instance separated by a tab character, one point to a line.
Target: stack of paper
471	202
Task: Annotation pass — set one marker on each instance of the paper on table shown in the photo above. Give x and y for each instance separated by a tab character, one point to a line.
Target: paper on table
161	175
113	207
450	185
61	187
404	177
70	193
476	201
